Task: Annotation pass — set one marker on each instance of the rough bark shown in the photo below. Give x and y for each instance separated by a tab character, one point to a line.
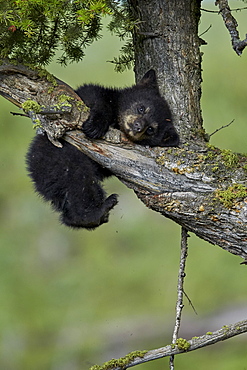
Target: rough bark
19	84
180	183
232	26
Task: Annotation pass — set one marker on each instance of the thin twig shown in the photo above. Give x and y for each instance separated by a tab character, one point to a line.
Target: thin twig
190	302
220	128
217	11
19	114
209	11
180	289
205	30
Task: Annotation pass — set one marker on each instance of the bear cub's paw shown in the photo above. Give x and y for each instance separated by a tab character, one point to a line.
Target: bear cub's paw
91	218
95	126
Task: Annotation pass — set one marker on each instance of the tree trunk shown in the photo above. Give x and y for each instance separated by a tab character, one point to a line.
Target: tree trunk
166	39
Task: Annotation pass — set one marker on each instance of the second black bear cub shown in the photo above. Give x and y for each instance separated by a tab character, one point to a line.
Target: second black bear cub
69	179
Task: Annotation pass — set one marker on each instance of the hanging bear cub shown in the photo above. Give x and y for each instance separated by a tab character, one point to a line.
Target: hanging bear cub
69	179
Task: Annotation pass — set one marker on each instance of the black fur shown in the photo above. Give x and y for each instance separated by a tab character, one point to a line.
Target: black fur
69	179
71	182
139	111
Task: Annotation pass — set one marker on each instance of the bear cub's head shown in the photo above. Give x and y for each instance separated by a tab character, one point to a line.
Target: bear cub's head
145	116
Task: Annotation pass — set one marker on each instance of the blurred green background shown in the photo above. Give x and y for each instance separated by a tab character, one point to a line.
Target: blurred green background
70	299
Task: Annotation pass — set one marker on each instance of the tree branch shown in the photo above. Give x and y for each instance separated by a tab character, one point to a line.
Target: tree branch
180	184
203	191
217	12
19	84
226	332
231	25
180	289
220	128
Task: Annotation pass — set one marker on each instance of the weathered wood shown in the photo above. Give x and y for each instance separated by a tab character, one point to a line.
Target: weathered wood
182	346
232	26
180	184
19	84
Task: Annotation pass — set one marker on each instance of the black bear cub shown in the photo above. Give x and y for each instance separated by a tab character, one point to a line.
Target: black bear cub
69	179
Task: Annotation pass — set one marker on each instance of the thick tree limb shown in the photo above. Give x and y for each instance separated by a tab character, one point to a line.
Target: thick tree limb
182	184
228	331
19	84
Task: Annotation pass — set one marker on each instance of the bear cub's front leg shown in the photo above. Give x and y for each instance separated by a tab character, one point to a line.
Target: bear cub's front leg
103	109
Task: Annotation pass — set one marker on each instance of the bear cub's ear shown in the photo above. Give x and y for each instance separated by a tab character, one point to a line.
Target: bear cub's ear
149	79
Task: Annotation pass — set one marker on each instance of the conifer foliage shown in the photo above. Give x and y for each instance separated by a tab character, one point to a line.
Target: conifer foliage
32	31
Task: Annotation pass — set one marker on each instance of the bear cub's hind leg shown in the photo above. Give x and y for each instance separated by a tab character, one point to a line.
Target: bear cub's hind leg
71	182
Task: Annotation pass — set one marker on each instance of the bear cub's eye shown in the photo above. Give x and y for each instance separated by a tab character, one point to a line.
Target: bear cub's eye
141	109
150	131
